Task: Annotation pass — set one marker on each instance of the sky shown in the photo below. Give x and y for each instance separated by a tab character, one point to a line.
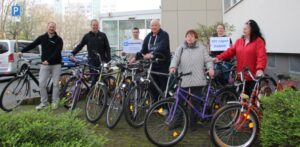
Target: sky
131	5
117	5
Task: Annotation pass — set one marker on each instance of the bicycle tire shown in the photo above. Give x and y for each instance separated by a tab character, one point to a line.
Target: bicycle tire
234	116
116	103
167	133
67	92
99	100
221	98
5	103
133	110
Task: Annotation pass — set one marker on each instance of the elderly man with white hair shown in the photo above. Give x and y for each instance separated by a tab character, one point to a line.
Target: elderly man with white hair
157	45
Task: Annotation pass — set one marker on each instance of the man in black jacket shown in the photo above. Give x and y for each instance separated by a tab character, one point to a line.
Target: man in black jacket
52	46
157	45
97	43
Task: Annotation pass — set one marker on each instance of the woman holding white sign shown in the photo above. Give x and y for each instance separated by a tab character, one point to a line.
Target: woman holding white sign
220	32
250	51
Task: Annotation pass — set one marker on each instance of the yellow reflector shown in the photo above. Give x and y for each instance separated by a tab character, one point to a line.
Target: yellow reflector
251	125
160	110
131	108
217	106
174	134
248	117
147	102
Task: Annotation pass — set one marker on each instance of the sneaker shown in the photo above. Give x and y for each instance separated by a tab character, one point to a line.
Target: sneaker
41	106
54	106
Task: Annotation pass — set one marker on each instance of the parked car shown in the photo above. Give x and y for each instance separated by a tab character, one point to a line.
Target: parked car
9	64
82	57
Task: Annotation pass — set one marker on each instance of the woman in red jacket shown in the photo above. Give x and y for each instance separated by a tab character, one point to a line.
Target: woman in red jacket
249	51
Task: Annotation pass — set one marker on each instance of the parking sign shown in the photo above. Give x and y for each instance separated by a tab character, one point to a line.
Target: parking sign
16	11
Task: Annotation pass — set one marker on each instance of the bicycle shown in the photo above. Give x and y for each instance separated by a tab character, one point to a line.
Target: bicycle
101	93
20	87
124	82
140	98
73	88
238	123
167	129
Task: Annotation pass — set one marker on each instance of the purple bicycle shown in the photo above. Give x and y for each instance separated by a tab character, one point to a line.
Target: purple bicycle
167	121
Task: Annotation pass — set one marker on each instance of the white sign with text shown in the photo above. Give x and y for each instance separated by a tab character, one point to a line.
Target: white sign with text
132	46
219	43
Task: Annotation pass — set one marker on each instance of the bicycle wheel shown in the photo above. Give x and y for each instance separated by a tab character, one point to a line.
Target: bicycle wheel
67	92
115	109
14	93
221	98
231	126
137	103
166	128
96	103
64	77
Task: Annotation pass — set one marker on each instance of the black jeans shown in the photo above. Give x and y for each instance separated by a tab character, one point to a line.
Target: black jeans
249	87
160	80
94	76
198	91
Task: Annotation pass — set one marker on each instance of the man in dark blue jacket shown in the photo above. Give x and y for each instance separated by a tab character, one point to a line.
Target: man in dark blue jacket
96	42
157	45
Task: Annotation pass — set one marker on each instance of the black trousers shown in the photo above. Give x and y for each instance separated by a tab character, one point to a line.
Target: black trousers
198	91
249	87
160	80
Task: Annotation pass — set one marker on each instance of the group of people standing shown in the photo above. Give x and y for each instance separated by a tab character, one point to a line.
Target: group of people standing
190	56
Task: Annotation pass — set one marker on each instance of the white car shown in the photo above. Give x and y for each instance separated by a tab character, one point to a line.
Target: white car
9	61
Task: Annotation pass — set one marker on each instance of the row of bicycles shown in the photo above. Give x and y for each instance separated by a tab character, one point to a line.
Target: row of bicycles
124	89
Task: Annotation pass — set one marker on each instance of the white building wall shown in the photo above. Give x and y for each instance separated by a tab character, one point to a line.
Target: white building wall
278	20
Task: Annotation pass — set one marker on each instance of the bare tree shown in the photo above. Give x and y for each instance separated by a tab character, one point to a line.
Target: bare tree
5	9
74	27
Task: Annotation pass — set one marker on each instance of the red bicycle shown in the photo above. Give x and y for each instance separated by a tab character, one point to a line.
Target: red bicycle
238	123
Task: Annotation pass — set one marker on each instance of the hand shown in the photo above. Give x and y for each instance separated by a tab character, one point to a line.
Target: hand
132	60
216	60
259	73
72	58
45	63
19	54
172	70
148	56
211	73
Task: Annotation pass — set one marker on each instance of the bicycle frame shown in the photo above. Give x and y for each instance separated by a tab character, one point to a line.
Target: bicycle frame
180	94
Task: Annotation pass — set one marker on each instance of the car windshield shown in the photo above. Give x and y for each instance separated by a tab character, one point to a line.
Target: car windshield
3	47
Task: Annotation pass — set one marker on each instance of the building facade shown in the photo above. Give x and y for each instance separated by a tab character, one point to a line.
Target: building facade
118	25
279	23
178	16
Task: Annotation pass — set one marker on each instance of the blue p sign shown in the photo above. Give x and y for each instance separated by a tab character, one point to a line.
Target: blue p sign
16	11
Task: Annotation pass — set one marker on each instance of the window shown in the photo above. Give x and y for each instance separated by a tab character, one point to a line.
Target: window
228	4
295	63
3	47
126	28
271	61
110	27
22	45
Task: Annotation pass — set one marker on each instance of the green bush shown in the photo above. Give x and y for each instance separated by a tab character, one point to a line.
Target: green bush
281	119
45	128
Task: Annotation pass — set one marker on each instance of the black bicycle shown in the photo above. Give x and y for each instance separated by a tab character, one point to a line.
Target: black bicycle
19	88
